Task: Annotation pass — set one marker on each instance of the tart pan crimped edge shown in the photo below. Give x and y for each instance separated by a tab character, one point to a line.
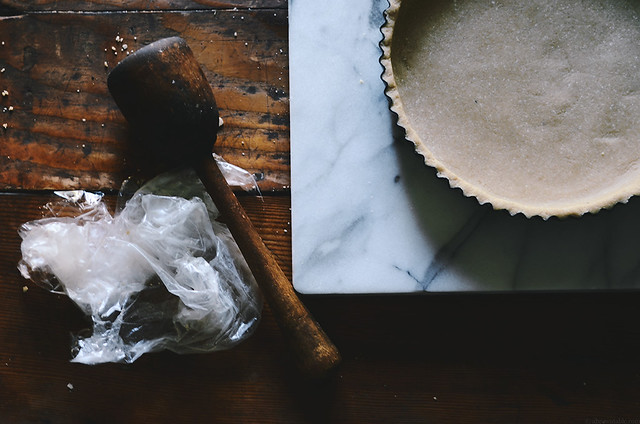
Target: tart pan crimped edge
529	210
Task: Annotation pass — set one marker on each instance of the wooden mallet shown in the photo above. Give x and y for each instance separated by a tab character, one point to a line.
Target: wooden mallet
168	103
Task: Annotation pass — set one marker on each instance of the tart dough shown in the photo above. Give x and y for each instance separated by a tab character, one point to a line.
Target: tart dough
531	106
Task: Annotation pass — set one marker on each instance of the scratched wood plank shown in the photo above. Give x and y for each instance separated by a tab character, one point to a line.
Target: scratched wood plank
63	129
22	6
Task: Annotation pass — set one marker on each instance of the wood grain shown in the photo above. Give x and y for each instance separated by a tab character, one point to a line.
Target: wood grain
21	6
65	131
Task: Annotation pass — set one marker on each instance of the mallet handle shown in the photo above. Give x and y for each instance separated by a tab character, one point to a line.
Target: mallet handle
313	350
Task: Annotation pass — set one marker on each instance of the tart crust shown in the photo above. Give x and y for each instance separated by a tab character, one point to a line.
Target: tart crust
518	175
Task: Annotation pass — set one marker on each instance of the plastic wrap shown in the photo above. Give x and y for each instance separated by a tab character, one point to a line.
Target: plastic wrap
160	274
236	176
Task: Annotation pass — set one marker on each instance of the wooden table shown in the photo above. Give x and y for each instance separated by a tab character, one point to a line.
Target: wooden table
507	358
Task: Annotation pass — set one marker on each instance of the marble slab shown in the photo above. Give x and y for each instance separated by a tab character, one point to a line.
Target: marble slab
369	217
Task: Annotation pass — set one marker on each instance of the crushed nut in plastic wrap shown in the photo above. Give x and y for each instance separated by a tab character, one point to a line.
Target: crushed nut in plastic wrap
159	274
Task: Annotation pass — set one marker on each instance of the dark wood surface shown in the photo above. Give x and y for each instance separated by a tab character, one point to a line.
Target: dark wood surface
65	130
483	358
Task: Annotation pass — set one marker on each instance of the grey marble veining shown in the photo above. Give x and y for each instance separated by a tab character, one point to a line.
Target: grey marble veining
369	217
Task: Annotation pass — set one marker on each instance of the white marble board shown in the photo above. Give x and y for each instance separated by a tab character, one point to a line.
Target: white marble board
369	217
